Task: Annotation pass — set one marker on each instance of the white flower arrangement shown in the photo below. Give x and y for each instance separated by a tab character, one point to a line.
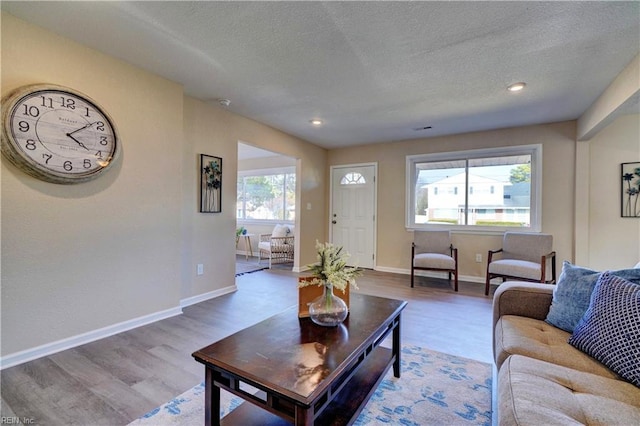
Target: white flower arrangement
331	268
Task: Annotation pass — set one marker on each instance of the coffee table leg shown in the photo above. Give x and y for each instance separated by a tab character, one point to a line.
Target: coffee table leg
303	416
396	348
211	400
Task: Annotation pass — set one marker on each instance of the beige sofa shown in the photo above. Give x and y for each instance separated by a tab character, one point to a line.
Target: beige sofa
541	379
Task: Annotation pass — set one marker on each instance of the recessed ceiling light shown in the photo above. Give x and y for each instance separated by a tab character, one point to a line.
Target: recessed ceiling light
316	122
516	87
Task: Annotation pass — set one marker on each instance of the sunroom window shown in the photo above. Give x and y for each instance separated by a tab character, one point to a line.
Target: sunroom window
268	195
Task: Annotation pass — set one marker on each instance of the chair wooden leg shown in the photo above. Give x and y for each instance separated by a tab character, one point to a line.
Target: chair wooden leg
486	287
412	276
455	282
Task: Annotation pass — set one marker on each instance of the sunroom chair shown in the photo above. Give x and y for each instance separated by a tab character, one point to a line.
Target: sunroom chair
433	251
523	257
278	246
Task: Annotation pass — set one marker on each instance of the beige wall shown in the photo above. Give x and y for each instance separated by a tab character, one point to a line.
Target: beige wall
76	258
394	241
80	258
613	241
211	237
311	178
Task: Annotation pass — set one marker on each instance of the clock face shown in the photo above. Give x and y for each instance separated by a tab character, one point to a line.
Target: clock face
57	134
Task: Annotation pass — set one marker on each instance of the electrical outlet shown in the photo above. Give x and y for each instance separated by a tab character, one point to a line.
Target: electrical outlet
478	258
200	269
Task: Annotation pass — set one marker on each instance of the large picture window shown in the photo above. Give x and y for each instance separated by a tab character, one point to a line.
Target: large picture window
267	195
488	189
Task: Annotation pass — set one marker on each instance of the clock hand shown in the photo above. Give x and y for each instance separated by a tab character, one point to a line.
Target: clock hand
81	128
77	141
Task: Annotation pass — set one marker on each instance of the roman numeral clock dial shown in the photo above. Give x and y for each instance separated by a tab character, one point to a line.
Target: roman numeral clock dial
57	134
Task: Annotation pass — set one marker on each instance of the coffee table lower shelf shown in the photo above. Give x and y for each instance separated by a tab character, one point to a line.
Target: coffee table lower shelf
343	409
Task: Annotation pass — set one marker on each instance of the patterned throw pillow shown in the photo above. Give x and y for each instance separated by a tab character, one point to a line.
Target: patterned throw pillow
572	294
610	329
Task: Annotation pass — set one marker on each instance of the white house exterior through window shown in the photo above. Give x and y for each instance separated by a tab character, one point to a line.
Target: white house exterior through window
488	189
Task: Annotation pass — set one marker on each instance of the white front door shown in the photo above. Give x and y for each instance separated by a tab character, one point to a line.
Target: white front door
353	208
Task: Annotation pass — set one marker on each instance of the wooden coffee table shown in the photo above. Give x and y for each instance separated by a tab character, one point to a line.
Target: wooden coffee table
305	374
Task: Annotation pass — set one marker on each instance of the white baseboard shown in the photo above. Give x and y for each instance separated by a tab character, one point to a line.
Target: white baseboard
81	339
299	269
206	296
468	278
21	357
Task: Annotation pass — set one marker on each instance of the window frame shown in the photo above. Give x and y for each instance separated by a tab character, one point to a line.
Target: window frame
535	150
288	170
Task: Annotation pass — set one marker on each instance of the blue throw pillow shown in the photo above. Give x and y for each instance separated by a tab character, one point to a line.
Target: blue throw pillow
572	293
610	329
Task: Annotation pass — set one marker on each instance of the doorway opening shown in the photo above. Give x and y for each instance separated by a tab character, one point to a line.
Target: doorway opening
265	209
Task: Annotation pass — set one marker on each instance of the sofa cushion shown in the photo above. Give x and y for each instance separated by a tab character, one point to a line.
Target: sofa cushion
537	339
534	392
610	329
572	294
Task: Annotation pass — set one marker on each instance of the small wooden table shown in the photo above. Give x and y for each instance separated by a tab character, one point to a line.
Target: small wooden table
247	245
305	374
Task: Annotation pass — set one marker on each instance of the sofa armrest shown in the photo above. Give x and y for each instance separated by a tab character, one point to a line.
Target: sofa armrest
526	299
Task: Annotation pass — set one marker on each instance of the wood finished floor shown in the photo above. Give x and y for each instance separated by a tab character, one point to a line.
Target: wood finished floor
115	380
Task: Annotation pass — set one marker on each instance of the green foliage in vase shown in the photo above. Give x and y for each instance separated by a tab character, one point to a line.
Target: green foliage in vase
332	268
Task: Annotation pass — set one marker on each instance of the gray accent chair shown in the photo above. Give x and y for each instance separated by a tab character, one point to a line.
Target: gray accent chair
523	257
433	251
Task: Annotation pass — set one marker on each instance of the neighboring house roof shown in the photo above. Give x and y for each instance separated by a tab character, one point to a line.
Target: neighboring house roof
460	179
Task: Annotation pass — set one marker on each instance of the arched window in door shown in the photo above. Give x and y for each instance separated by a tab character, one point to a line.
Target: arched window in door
353	178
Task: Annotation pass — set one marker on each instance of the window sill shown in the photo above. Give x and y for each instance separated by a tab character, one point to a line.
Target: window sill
241	222
476	231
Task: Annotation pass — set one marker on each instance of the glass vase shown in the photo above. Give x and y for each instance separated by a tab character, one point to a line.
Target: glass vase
328	310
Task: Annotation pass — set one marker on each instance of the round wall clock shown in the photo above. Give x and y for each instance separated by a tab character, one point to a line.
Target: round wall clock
57	134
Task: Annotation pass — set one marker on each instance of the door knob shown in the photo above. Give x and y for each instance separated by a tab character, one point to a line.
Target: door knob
334	222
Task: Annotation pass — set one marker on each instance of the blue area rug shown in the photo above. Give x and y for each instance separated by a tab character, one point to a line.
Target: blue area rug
433	389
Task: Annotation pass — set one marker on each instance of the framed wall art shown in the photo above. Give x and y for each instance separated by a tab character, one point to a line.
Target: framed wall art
630	206
210	184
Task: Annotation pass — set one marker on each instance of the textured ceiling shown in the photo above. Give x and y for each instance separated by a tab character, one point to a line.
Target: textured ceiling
372	71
